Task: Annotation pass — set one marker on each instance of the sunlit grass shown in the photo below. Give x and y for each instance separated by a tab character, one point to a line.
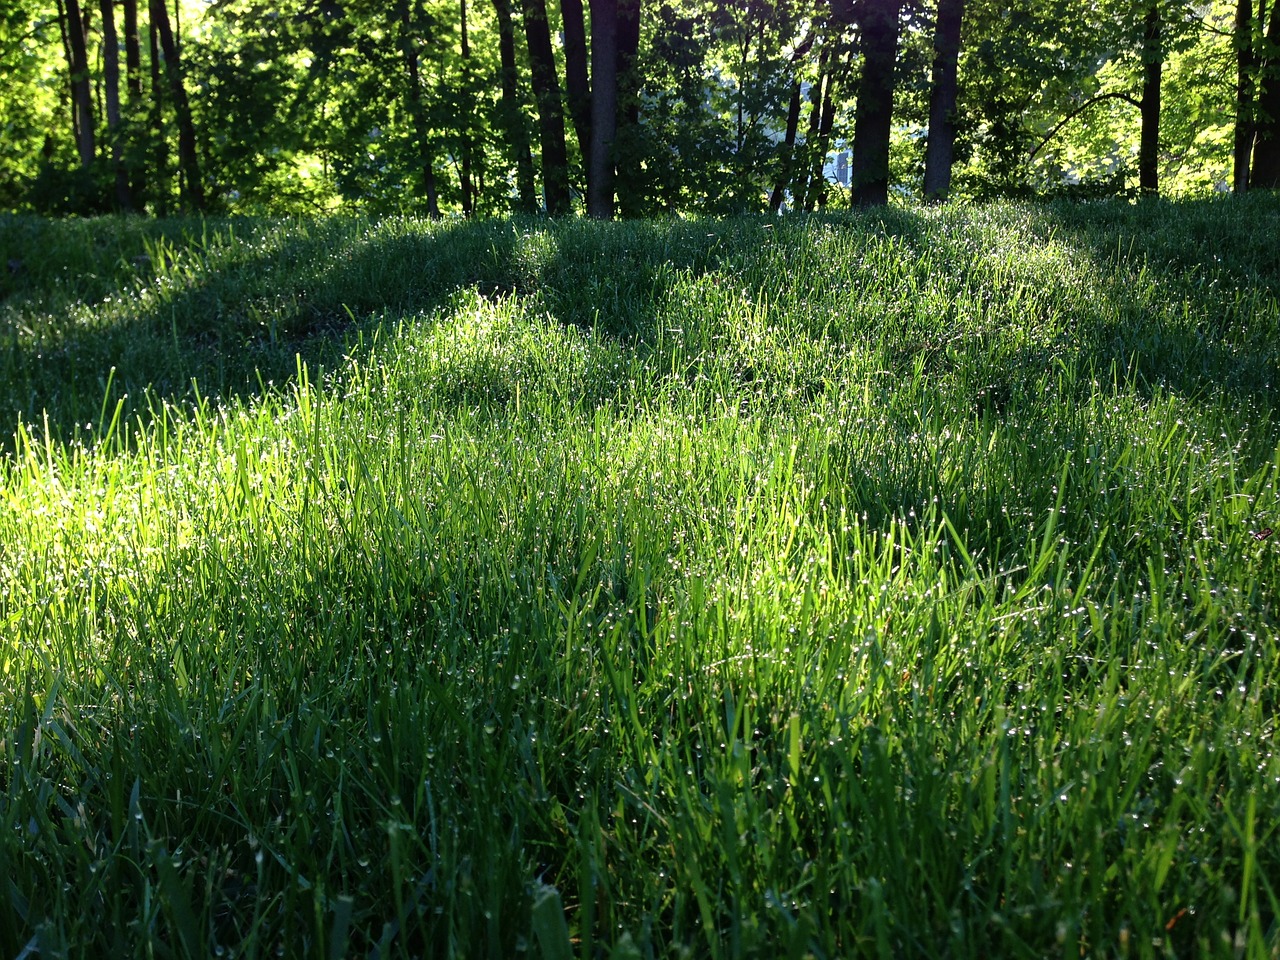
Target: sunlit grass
878	586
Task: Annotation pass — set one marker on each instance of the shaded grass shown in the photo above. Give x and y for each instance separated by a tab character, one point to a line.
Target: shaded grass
872	586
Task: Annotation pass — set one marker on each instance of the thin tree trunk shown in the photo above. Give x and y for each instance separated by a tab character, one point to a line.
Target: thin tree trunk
1152	67
111	82
81	93
417	113
940	152
159	141
132	52
788	150
577	87
818	188
872	122
1242	148
604	107
187	159
546	91
468	198
800	188
509	111
1265	173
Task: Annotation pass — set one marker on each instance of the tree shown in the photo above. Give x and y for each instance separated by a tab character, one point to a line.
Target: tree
870	172
1149	107
189	163
517	137
546	92
940	153
604	107
75	28
1265	172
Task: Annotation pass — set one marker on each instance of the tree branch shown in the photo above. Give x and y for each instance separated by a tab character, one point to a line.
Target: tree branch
1076	112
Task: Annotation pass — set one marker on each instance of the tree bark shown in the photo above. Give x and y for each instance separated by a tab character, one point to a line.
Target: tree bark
546	92
604	107
874	116
160	155
111	93
800	189
468	196
1265	172
577	87
509	111
940	152
1242	147
81	94
132	52
1152	67
626	153
187	159
788	150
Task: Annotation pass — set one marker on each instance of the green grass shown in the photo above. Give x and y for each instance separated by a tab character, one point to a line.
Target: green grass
885	585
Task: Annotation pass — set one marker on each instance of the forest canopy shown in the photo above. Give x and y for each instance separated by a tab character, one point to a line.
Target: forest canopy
627	107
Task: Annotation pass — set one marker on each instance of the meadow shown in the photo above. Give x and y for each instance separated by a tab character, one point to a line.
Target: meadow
896	584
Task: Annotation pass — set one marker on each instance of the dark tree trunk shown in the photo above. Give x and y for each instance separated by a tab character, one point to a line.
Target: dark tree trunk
1242	148
417	111
604	107
468	196
132	52
509	112
187	158
577	87
627	145
111	94
800	190
940	152
159	141
872	122
1266	148
546	92
1152	67
81	94
788	150
818	187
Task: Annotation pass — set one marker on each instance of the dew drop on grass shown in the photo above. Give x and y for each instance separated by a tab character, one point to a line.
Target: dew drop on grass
490	726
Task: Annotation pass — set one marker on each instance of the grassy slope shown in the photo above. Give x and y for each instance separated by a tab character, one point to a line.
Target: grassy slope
889	585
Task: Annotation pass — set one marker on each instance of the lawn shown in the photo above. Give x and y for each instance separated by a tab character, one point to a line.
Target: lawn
889	584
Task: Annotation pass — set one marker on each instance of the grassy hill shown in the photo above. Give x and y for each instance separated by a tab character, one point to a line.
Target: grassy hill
897	584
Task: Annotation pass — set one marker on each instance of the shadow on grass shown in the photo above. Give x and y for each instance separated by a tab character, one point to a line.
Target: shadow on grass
992	300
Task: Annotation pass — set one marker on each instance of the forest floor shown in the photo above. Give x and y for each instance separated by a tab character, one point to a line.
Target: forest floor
893	584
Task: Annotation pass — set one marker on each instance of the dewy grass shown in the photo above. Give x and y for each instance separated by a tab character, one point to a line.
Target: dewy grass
891	585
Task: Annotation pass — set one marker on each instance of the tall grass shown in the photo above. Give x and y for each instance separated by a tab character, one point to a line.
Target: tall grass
885	585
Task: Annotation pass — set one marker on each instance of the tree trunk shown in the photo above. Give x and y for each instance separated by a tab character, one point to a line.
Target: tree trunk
1152	67
417	113
627	144
81	94
1266	148
800	190
1242	148
940	151
132	52
818	186
546	92
872	122
187	158
604	107
577	87
788	150
158	139
509	111
111	91
468	196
